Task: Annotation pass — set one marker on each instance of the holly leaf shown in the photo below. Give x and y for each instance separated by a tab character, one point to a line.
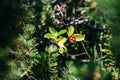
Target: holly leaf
70	30
61	32
79	37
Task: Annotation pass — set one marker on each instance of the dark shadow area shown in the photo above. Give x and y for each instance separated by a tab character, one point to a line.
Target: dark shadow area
9	9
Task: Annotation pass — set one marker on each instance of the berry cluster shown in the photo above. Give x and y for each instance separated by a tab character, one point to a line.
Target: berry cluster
72	38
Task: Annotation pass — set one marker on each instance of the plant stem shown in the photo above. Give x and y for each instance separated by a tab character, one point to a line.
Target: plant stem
85	49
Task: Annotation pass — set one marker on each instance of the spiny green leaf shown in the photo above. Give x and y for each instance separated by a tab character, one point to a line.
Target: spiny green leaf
79	37
70	30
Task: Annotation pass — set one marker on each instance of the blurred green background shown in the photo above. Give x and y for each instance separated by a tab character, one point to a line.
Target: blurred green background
115	30
112	10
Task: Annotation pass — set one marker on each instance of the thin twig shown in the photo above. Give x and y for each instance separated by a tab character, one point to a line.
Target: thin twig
77	54
103	57
59	10
85	60
30	76
95	53
85	49
78	21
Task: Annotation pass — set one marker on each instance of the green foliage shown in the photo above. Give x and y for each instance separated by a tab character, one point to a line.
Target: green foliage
70	30
62	40
79	37
61	32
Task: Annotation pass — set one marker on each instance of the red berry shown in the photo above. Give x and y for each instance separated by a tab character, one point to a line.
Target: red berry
72	38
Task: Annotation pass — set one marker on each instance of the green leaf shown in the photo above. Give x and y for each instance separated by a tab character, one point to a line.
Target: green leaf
107	51
61	32
60	38
79	37
65	48
48	35
29	28
70	30
52	48
53	64
61	50
52	30
61	42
